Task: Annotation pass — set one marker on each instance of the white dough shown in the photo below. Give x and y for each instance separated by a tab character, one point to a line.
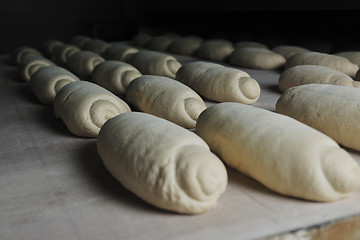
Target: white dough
166	98
307	74
21	53
219	83
330	109
49	45
257	58
243	44
323	59
155	63
119	52
30	64
84	107
62	53
96	45
288	51
48	81
215	49
115	76
160	43
79	40
82	63
353	56
187	45
282	153
162	163
141	39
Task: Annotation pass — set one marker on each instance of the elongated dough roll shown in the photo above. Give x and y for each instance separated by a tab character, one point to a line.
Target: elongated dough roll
141	39
155	63
119	52
115	76
245	44
160	43
215	49
96	45
323	59
30	64
257	58
353	56
79	40
332	110
285	155
49	45
82	63
84	107
187	45
307	74
48	81
21	53
162	163
166	98
288	51
219	83
62	53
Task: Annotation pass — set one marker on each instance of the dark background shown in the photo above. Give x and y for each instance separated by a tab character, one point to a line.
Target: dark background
31	22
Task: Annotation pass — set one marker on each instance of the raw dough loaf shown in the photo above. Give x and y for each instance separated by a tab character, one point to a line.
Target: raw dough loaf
215	49
22	52
48	81
119	52
244	44
288	51
62	53
115	76
82	63
285	155
353	56
155	63
84	107
30	64
323	59
333	110
160	43
162	163
79	40
307	74
96	45
49	45
187	45
257	58
166	98
219	83
141	39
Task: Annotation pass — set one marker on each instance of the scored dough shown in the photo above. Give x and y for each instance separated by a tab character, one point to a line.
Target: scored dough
307	74
323	59
282	153
48	81
155	63
84	107
82	63
162	163
219	83
257	58
215	49
115	76
166	98
30	64
333	110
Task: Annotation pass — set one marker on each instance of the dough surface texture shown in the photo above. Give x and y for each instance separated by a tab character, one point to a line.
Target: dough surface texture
49	45
353	56
282	153
323	59
160	43
96	45
219	83
166	98
288	51
257	58
48	81
119	52
61	53
164	164
115	76
141	39
187	45
82	63
215	49
79	40
245	44
307	74
30	64
84	107
155	63
21	53
333	110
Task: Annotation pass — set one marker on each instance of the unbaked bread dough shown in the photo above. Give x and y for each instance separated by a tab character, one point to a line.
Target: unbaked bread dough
166	98
160	43
155	63
282	153
82	63
187	45
62	53
307	74
333	110
141	39
79	40
22	52
215	49
244	44
162	163
288	51
84	107
323	59
115	76
219	83
96	45
119	52
47	81
30	64
49	45
353	56
257	58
